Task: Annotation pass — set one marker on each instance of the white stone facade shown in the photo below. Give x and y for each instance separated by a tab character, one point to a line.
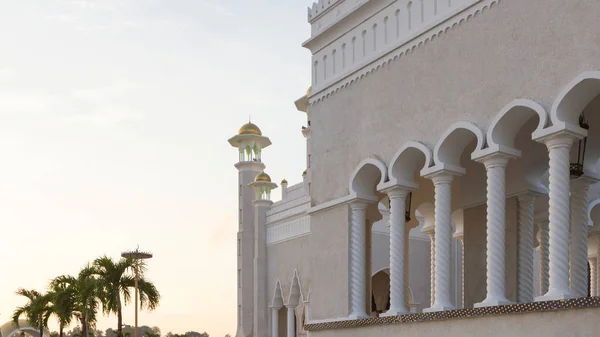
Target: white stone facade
474	111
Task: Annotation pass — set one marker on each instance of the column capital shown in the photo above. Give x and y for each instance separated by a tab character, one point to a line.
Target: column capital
495	159
562	138
359	204
397	191
585	181
528	197
441	177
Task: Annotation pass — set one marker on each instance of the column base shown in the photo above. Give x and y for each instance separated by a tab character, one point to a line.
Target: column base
358	316
437	308
555	296
492	303
395	312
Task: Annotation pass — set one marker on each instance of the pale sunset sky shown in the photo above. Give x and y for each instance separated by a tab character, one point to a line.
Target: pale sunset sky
114	120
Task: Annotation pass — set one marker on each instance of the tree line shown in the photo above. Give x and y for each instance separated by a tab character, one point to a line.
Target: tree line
103	286
128	331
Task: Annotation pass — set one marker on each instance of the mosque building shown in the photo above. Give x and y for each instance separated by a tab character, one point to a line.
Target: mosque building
452	185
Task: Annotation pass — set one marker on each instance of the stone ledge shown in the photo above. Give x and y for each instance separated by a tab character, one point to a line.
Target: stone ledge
577	303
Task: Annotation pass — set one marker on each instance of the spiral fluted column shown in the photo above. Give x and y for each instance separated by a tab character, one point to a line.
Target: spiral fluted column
593	276
358	260
275	321
431	267
397	198
442	182
597	237
558	148
496	230
579	236
525	253
407	298
462	272
544	240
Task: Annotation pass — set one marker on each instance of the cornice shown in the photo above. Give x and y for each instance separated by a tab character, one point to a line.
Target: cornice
404	50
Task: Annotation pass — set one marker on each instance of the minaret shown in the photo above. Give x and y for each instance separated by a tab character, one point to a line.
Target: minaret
262	186
250	142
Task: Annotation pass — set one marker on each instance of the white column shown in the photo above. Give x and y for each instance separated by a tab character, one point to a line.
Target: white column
442	182
558	148
525	253
431	267
597	235
291	322
275	321
544	240
462	270
407	298
579	236
358	260
397	251
496	230
593	276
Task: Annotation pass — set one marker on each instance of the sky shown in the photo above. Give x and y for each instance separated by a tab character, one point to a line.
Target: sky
114	120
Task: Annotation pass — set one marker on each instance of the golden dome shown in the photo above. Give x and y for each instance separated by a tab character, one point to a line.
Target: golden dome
263	177
309	90
249	129
284	181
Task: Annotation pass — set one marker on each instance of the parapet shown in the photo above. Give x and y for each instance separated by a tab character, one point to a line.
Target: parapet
320	7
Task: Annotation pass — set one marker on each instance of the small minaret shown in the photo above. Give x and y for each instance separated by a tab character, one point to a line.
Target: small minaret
284	185
250	142
262	186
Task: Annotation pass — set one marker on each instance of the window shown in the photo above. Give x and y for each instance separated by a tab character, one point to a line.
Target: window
239	247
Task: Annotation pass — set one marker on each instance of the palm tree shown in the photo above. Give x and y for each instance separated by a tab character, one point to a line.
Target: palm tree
35	310
62	301
116	279
80	298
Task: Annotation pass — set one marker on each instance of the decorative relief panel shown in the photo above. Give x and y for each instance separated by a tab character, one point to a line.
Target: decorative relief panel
282	206
288	230
325	12
404	23
300	208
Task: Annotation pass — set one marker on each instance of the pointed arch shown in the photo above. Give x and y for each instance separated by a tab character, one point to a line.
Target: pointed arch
411	157
574	98
453	142
295	291
505	126
277	296
366	177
